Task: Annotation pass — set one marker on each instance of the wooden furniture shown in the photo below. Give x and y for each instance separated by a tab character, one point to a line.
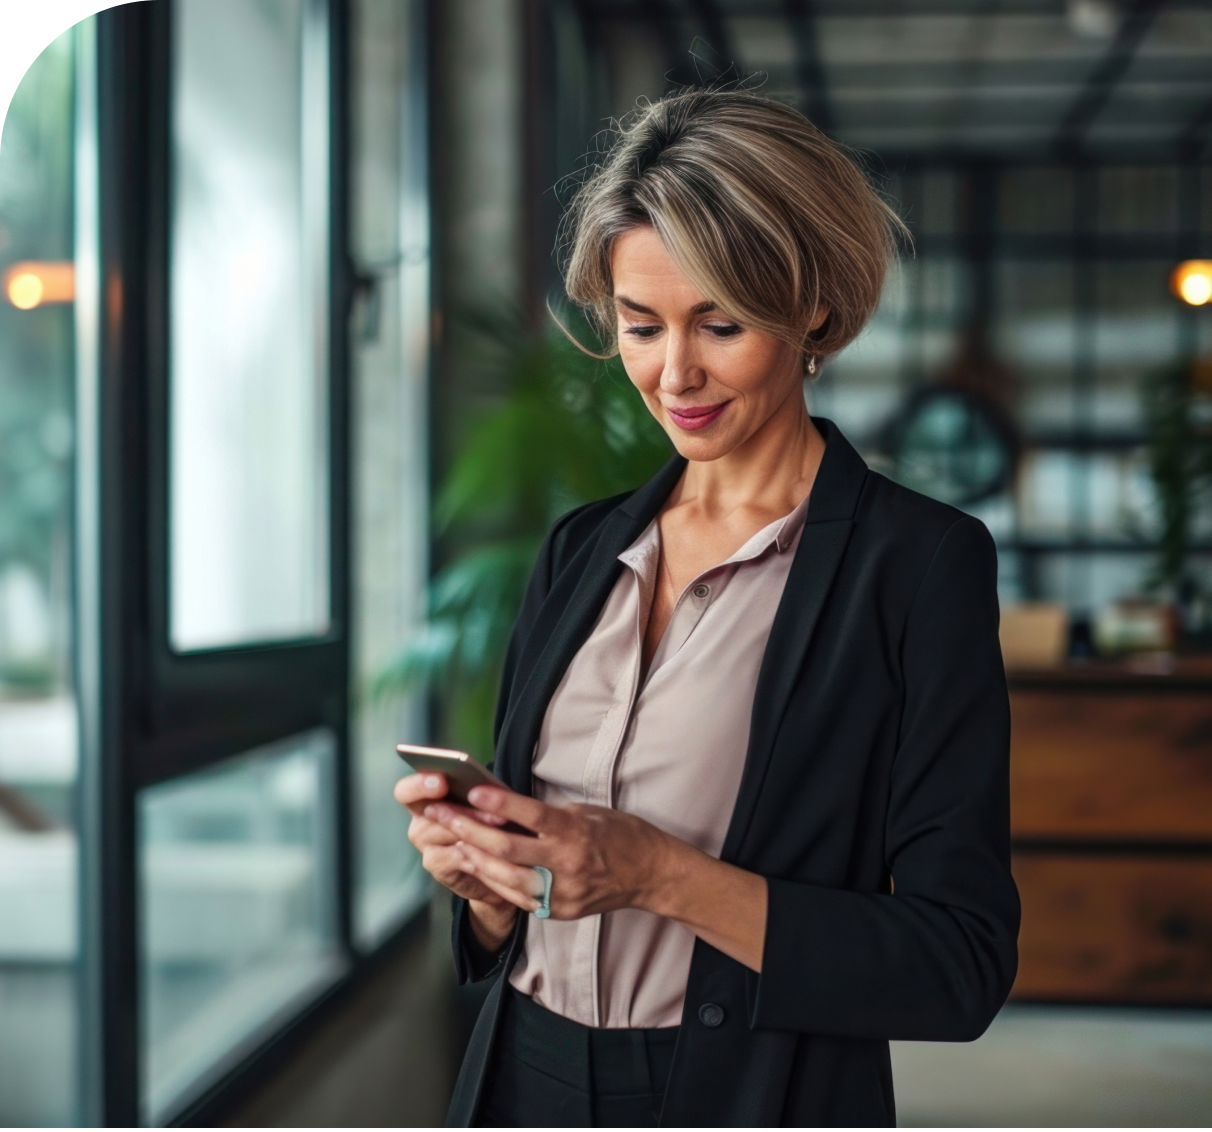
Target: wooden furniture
1111	812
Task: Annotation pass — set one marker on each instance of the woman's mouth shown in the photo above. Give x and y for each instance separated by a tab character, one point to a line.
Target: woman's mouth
692	419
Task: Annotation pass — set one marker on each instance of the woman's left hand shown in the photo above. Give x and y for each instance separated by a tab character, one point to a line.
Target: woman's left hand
600	859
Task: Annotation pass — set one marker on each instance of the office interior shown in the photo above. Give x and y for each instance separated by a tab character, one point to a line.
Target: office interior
283	412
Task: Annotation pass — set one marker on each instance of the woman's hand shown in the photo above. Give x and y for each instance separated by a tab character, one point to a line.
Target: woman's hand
492	916
602	860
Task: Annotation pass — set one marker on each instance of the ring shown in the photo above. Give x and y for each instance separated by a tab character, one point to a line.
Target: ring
543	911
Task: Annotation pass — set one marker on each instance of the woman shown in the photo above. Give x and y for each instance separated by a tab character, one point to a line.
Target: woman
742	703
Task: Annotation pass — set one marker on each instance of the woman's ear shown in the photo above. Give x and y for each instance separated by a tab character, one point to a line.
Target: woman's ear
818	318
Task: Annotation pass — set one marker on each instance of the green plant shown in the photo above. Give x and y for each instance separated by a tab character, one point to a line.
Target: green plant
569	429
1177	408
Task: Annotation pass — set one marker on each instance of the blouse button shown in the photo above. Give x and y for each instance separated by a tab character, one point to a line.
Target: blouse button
701	591
711	1014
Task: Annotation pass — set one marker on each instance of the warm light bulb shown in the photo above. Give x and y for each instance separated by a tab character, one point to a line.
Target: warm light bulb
25	291
1196	289
1192	281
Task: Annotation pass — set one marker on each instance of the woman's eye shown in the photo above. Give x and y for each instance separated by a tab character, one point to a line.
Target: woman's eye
724	329
643	331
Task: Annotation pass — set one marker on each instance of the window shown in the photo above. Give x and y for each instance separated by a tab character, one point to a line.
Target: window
1076	262
237	907
389	347
38	726
240	848
248	414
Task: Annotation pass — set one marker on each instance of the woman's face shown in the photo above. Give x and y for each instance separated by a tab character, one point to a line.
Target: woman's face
710	382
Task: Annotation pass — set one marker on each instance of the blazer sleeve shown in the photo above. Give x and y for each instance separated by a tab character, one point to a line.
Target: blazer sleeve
935	959
472	962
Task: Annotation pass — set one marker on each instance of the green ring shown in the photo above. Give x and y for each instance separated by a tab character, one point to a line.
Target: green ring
543	911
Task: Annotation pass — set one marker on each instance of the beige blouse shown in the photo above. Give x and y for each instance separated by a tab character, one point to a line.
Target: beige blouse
670	751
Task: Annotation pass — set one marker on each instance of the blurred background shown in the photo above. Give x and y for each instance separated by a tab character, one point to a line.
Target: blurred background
283	418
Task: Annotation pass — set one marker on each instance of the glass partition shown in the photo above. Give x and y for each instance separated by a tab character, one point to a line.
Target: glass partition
38	728
237	900
248	389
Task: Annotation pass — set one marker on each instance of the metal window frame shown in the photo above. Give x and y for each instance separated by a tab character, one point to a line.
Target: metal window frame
150	714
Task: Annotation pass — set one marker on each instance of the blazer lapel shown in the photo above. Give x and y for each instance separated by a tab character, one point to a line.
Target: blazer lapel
827	527
567	617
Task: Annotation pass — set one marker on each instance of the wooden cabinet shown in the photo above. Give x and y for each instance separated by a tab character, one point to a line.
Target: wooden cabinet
1111	813
1115	928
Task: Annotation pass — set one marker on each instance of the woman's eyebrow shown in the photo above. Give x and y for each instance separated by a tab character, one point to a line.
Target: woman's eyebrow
631	304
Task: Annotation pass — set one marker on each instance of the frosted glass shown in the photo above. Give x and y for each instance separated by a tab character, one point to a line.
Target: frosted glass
249	536
237	905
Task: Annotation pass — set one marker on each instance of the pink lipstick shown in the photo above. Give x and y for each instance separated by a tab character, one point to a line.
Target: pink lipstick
693	419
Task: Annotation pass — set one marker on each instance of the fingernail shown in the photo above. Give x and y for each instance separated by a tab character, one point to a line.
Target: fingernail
432	782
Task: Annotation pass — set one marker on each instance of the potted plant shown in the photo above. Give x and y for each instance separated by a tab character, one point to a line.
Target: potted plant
568	429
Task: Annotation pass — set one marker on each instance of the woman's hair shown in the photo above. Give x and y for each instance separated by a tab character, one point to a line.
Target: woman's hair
765	215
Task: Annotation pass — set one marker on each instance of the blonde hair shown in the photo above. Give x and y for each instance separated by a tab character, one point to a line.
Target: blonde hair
765	215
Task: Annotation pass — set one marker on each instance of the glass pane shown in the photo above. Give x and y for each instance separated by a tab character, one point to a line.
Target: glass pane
390	347
237	906
38	731
1135	333
1034	329
1034	200
1140	198
249	313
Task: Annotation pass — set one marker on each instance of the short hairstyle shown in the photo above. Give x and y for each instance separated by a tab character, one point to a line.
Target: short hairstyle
764	213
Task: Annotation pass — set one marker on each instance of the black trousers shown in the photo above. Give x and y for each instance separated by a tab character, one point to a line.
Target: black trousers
548	1071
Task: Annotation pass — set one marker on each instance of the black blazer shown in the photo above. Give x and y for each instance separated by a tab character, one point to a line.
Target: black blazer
879	751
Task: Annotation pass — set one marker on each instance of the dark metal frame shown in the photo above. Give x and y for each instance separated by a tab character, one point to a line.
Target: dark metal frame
802	16
159	714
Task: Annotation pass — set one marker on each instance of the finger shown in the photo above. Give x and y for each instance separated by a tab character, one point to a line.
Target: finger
435	811
514	847
423	833
508	804
446	864
419	788
521	900
486	867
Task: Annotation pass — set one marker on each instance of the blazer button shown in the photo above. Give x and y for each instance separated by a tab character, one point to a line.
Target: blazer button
711	1014
701	591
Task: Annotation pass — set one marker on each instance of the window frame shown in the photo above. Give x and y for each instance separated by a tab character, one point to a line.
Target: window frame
150	714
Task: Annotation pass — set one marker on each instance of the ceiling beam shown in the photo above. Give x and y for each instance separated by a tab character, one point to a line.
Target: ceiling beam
809	70
1100	85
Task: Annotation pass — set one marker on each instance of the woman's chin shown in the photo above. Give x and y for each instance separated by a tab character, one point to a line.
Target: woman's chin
701	449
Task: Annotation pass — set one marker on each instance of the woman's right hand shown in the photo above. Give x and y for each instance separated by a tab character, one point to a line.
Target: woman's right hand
492	916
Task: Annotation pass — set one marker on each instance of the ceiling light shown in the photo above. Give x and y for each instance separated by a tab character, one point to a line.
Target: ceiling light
34	283
1191	281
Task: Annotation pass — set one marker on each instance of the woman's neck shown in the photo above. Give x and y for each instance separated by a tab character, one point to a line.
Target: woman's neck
771	472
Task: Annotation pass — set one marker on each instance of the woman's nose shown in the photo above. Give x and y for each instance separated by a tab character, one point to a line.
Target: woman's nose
682	369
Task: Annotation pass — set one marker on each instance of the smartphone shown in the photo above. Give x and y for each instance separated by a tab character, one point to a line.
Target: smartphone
461	770
462	773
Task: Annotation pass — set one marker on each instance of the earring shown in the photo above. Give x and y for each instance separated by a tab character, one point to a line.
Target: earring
812	367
